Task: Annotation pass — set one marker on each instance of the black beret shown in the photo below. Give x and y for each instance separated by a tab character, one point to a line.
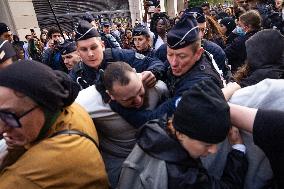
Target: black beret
67	47
203	113
6	50
183	33
4	28
85	31
51	89
197	13
140	30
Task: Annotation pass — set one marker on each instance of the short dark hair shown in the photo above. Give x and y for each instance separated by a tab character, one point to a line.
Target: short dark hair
117	72
52	31
205	4
27	36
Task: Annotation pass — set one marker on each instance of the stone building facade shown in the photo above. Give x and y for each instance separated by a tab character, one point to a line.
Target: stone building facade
23	15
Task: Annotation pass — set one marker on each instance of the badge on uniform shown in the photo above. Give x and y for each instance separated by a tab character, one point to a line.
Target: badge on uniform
139	56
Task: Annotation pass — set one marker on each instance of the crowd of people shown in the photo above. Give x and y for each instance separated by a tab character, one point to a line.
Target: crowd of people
193	101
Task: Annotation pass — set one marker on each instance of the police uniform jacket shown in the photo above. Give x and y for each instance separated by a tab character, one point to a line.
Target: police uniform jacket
87	76
202	70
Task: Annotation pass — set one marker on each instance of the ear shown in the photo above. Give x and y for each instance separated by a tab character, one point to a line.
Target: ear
112	97
198	54
103	44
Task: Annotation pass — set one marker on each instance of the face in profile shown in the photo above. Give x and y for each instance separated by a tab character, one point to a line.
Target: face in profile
196	148
71	59
21	119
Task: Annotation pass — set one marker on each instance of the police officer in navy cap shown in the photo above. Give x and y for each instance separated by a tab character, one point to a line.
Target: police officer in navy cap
69	54
142	40
188	65
214	50
91	19
96	57
111	40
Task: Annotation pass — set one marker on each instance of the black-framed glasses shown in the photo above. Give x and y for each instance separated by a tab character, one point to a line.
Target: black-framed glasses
11	119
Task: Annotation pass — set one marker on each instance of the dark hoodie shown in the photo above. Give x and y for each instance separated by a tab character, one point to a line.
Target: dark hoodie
265	57
184	171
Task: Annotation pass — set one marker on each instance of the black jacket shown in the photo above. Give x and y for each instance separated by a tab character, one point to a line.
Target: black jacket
185	172
236	51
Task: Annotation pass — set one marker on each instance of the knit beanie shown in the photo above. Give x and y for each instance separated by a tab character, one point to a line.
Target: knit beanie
51	89
203	113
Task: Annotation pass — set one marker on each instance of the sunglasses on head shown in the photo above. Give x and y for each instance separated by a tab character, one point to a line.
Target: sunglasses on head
11	119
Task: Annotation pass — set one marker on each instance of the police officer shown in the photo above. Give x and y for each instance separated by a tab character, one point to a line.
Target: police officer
95	57
189	63
142	41
214	49
69	54
111	40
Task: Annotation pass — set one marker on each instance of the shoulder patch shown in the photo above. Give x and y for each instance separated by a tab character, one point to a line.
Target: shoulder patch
139	56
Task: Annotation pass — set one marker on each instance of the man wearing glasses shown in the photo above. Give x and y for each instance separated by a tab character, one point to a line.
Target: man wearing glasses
57	139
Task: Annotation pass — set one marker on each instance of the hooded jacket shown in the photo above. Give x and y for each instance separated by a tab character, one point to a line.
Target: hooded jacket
265	57
182	170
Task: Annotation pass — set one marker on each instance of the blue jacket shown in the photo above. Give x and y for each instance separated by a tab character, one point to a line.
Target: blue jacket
53	59
203	69
86	76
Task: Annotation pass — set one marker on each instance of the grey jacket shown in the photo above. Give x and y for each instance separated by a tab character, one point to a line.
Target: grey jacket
267	94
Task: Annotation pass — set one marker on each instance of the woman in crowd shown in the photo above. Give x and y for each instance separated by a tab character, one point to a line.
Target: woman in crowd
249	24
214	33
127	40
265	58
142	41
159	25
227	25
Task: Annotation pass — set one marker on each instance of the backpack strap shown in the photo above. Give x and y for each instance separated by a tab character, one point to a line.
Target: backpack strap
74	132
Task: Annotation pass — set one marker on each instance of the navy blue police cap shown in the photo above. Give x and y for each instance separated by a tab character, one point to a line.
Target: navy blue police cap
88	17
197	13
106	24
184	33
140	30
67	47
85	31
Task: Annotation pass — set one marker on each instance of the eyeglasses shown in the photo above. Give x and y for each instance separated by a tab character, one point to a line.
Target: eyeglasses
243	2
203	30
11	119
